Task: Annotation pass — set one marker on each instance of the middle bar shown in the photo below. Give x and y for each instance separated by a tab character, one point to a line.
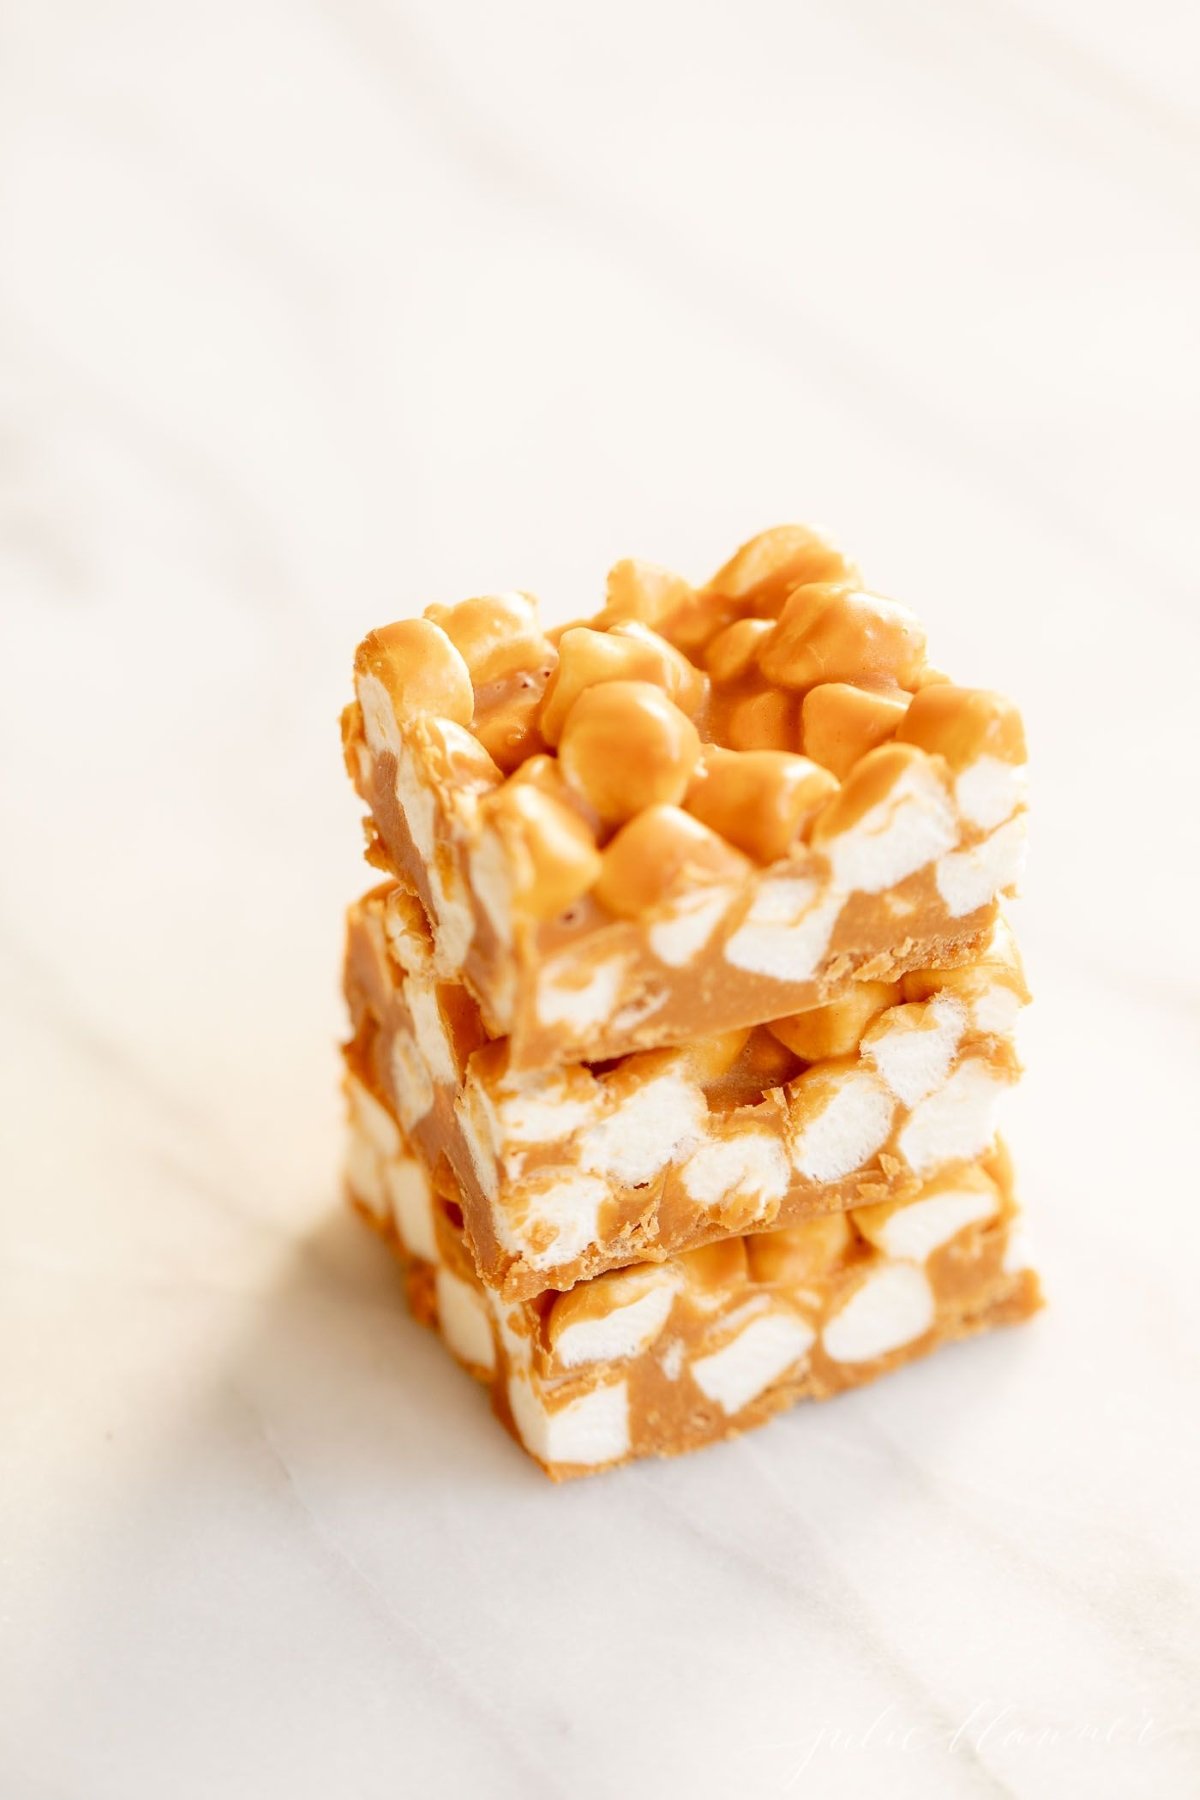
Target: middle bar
566	1173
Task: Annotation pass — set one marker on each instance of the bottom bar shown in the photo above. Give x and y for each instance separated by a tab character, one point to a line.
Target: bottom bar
658	1358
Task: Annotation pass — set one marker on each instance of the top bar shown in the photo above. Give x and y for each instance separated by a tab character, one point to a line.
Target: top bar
703	809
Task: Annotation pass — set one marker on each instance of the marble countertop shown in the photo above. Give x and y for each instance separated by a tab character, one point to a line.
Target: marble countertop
313	313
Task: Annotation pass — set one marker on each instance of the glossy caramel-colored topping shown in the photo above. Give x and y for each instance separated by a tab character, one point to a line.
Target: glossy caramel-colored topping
834	632
839	723
963	724
625	746
659	855
420	670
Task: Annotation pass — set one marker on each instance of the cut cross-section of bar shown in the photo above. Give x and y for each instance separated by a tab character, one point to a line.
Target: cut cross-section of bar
586	1167
704	809
661	1358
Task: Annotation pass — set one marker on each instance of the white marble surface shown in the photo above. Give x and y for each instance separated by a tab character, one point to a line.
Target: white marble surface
312	313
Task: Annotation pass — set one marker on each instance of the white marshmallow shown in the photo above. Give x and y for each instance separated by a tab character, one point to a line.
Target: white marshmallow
893	1306
967	879
420	997
995	1011
592	1429
750	1164
416	801
912	825
560	1002
406	933
914	1058
1018	1252
855	1123
625	1331
542	1109
989	791
476	1122
786	932
412	1206
913	1232
656	1123
491	883
374	1119
412	1089
364	1174
956	1123
760	1354
379	716
560	1204
680	936
463	1321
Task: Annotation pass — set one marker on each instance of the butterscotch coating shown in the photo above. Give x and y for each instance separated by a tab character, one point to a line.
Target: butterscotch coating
509	728
496	635
544	771
567	1172
420	670
758	799
764	719
625	746
768	568
636	589
963	724
627	652
711	698
831	631
660	854
839	723
733	651
552	849
665	1357
835	1029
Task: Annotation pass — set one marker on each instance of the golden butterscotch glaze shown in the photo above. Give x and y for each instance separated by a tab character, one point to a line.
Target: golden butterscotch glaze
657	1359
565	1172
704	808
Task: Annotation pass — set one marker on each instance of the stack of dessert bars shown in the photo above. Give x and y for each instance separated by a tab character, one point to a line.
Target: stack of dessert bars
680	1019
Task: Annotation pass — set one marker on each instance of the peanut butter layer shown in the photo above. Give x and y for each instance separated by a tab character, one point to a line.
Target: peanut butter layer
703	809
657	1359
569	1172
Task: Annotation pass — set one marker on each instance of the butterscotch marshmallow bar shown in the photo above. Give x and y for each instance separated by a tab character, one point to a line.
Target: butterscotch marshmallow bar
702	809
568	1172
662	1358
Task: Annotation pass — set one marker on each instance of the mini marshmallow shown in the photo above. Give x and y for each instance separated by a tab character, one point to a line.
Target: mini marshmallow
853	1125
750	1164
412	1206
892	1306
463	1321
554	1216
911	826
786	932
690	924
590	1430
563	1001
914	1046
967	879
364	1174
742	1369
914	1231
645	1131
957	1122
989	791
411	1083
625	1330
